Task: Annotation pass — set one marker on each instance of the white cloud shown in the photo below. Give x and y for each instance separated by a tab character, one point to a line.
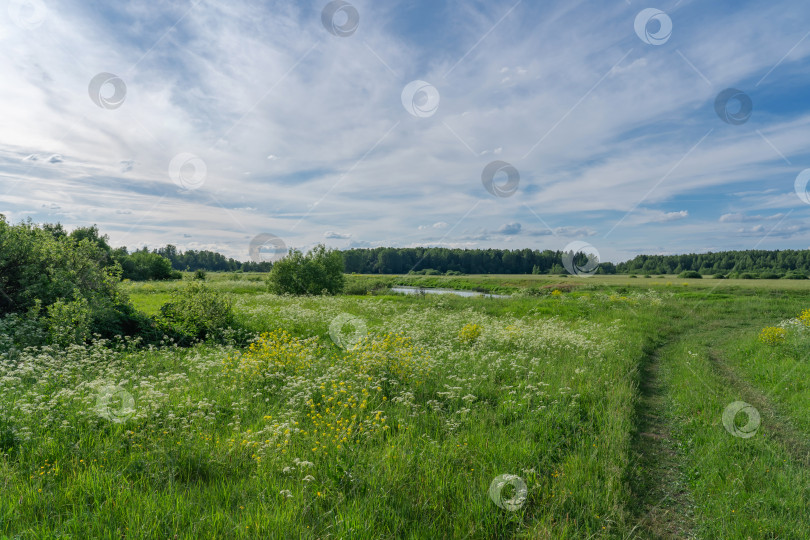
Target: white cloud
336	235
236	79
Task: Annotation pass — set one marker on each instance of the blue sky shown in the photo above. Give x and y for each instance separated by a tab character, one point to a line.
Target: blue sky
245	118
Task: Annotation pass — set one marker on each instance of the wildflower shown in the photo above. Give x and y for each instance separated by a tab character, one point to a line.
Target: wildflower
469	333
772	335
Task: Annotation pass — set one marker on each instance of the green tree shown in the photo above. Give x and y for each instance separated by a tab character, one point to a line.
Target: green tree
318	272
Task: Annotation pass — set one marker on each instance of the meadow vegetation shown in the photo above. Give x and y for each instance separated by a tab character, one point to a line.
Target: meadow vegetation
213	406
387	416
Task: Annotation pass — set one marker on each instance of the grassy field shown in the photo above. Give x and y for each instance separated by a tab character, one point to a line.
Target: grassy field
598	407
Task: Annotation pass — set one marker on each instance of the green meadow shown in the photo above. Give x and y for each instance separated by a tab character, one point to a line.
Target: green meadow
603	407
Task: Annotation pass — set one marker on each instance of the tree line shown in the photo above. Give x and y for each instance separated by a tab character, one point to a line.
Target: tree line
761	263
429	260
166	262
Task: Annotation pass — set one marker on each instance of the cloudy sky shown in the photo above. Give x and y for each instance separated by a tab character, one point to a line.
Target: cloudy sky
634	126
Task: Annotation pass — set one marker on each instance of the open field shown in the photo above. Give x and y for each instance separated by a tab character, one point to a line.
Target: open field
608	403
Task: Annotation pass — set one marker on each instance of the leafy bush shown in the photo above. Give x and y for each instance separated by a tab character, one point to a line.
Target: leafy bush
691	274
747	276
719	276
69	322
197	312
21	331
794	275
143	266
199	274
61	287
38	267
769	275
318	272
365	286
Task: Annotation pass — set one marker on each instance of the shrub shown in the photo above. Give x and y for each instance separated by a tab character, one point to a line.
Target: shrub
38	268
21	331
143	266
794	275
769	275
365	286
199	274
691	274
69	322
197	312
747	275
719	276
318	272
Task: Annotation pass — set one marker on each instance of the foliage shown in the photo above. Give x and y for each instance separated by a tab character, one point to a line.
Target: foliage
143	265
199	274
191	260
69	322
427	261
318	272
44	266
197	312
18	331
36	266
750	261
690	274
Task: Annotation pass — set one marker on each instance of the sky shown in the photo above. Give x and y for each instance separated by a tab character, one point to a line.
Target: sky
635	127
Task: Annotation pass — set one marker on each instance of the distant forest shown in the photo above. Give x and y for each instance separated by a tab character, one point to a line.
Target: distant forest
464	261
165	262
208	260
758	263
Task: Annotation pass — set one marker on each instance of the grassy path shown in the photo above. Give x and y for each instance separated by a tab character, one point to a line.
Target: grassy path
743	485
775	425
665	505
